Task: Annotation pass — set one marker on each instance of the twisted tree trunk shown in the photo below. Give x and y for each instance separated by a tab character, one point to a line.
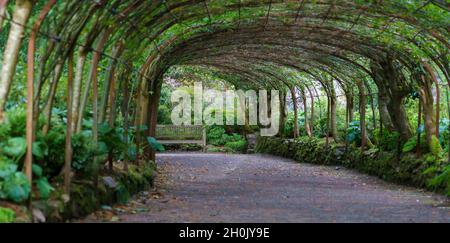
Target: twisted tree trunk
393	87
427	101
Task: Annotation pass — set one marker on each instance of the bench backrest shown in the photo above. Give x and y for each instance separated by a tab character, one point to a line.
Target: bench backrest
172	132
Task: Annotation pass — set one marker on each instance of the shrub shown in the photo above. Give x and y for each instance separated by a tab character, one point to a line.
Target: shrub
214	135
442	180
7	215
217	136
354	133
238	146
388	141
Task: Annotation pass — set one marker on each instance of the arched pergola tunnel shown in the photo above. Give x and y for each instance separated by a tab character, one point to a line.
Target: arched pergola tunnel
111	57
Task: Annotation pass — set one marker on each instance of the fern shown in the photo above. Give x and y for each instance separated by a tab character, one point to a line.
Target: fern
410	145
442	180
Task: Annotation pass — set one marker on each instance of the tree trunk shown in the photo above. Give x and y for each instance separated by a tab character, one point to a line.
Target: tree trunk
82	54
109	80
393	85
333	114
350	105
68	145
432	75
383	110
152	115
328	120
400	118
10	56
311	123
282	112
427	100
419	123
92	74
294	102
305	110
362	113
3	4
51	97
372	107
30	121
125	109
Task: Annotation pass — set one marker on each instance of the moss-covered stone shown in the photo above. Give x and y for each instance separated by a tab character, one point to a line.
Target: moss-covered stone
87	196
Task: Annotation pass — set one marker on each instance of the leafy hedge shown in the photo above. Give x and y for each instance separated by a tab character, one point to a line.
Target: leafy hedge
430	171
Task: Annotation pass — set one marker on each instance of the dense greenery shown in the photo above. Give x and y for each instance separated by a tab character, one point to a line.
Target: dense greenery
83	84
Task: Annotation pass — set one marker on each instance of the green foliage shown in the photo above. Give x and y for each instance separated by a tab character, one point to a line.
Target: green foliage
190	147
122	194
83	152
289	124
435	146
388	141
7	167
215	149
238	146
217	136
442	180
112	139
44	187
354	133
53	160
15	147
410	145
214	135
155	145
7	215
15	187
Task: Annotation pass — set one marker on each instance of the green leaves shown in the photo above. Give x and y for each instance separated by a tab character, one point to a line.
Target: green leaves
40	150
410	145
15	147
44	187
354	132
37	170
7	168
7	215
15	187
155	145
41	182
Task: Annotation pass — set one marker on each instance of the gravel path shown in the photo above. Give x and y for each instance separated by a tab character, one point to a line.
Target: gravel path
261	188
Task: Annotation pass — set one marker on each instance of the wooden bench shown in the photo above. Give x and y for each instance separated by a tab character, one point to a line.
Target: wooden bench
171	134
